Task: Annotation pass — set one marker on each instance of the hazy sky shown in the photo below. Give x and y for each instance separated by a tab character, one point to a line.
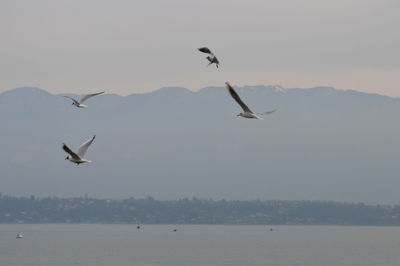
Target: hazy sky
135	46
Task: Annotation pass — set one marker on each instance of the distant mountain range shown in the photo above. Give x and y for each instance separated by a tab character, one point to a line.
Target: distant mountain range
321	144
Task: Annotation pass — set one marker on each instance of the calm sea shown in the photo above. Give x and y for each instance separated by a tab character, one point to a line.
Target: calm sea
125	245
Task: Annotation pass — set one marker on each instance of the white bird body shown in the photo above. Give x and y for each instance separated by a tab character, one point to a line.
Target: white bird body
213	60
79	103
78	157
77	161
247	112
249	115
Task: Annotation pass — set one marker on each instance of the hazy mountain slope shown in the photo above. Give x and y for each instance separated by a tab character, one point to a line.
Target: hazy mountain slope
322	143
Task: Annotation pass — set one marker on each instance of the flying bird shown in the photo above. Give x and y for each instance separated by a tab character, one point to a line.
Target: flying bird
78	157
247	112
211	58
82	100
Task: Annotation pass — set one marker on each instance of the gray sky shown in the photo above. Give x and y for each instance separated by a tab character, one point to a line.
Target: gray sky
136	46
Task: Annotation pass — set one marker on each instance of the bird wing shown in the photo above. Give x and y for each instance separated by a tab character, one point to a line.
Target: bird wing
75	101
84	98
205	50
83	148
70	152
237	98
213	59
266	113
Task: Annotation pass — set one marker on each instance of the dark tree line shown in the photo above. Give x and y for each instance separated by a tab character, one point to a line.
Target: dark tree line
192	211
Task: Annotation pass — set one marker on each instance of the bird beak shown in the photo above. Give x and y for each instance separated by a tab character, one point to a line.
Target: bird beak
238	115
66	158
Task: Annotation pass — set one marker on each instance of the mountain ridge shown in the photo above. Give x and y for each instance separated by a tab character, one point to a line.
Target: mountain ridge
178	89
321	144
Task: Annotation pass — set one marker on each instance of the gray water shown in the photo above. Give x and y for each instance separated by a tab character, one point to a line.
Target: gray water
124	245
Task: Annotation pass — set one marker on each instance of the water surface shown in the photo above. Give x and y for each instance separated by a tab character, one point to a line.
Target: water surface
197	245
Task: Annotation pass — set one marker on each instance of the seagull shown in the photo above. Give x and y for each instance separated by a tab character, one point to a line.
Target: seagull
78	157
247	112
82	100
212	58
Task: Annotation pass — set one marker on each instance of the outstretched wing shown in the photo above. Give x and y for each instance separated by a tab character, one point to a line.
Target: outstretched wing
205	50
70	152
83	148
84	98
75	101
237	98
266	113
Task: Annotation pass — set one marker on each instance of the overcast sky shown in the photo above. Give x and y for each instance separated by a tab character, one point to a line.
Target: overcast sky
127	47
